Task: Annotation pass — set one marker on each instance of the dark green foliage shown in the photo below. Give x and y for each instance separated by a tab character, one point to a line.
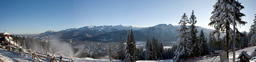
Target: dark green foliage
154	50
169	53
245	39
204	44
141	54
121	51
149	48
241	40
193	38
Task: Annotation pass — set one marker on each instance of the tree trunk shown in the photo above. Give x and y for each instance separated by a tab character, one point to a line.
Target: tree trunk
227	40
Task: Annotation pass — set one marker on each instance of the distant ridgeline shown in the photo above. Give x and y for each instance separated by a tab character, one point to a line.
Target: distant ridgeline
109	33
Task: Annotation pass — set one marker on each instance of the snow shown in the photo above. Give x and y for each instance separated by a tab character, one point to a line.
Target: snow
93	60
167	60
107	60
217	59
6	33
8	56
167	47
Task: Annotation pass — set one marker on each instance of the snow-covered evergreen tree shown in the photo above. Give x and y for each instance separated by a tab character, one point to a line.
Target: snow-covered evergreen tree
193	37
131	51
128	57
204	45
224	13
252	33
184	45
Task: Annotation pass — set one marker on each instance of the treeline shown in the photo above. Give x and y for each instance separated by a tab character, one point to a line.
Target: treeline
153	50
252	33
189	44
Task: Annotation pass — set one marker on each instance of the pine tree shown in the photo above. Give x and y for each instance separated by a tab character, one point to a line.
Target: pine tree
215	41
224	13
239	39
149	55
128	57
184	45
160	51
204	44
252	33
110	52
141	54
131	53
154	49
193	36
121	51
245	39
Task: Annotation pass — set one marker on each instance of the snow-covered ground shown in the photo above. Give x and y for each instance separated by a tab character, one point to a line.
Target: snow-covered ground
8	56
107	60
167	60
217	58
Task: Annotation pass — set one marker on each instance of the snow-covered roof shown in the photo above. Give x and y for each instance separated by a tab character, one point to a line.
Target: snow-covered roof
6	33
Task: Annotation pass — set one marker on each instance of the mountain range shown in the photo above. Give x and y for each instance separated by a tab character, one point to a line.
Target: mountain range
116	33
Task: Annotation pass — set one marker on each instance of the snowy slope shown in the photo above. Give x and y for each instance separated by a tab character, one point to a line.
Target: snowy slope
216	58
8	56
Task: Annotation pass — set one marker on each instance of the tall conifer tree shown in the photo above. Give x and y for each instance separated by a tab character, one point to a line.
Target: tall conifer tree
131	51
224	14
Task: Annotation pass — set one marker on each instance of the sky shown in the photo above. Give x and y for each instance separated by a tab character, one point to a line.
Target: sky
37	16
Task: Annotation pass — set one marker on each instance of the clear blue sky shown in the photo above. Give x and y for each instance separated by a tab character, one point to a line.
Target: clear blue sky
36	16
